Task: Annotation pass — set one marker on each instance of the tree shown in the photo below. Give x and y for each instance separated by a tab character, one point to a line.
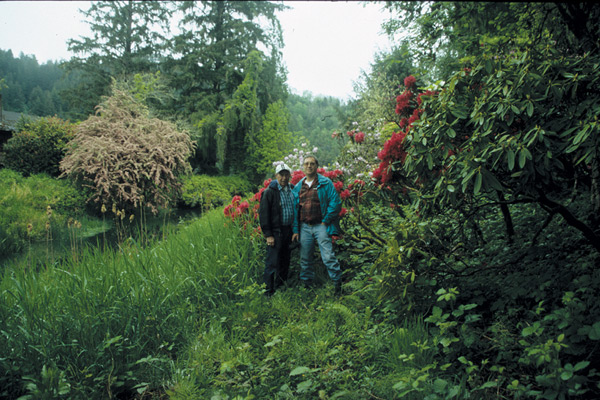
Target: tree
271	143
376	91
240	121
216	38
127	158
444	32
127	37
521	128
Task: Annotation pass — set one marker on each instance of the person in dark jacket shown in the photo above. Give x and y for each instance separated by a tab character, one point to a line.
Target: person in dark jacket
276	215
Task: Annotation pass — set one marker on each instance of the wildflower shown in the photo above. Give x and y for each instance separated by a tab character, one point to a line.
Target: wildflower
103	209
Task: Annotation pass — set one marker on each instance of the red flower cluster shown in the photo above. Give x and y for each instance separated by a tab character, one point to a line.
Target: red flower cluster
410	112
236	208
359	137
296	176
410	81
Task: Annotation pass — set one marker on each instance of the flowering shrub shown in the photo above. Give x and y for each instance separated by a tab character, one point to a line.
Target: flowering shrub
409	108
294	160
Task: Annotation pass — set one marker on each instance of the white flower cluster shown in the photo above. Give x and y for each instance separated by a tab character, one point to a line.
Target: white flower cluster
294	160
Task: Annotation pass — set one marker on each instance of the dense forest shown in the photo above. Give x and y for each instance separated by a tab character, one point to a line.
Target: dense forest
468	169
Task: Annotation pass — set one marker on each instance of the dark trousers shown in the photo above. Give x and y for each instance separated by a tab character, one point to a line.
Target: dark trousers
277	261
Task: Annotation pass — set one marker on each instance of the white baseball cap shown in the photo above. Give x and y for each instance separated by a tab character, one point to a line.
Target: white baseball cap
282	167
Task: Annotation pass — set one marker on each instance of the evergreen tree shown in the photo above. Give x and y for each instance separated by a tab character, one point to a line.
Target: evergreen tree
127	37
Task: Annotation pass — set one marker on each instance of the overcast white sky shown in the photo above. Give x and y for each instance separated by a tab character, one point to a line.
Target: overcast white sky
327	43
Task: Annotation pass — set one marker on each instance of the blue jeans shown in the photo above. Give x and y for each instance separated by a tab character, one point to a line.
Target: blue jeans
309	234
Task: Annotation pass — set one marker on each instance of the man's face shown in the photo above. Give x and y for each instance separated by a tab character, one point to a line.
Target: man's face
310	166
283	177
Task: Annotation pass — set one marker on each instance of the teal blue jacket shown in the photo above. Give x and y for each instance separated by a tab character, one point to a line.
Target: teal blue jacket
330	201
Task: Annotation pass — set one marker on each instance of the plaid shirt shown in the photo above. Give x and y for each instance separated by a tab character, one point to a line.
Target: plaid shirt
310	207
287	205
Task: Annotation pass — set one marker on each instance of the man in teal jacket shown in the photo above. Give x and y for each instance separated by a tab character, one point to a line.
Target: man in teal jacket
317	219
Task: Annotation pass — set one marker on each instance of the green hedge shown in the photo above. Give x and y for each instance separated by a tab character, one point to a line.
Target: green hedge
39	146
213	191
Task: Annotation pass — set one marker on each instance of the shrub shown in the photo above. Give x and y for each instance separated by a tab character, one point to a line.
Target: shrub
126	157
38	146
212	191
30	208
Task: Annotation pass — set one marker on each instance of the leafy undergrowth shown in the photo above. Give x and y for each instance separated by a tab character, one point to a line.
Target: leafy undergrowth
420	317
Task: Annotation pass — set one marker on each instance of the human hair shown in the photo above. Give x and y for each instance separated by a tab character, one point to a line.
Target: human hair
313	157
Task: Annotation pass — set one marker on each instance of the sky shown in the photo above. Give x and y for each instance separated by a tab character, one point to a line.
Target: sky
326	43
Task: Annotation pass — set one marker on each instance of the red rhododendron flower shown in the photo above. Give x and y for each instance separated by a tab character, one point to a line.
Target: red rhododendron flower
359	137
235	201
345	194
409	81
296	176
338	185
350	133
343	212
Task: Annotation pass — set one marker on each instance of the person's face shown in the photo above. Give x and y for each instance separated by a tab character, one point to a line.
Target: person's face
283	177
310	166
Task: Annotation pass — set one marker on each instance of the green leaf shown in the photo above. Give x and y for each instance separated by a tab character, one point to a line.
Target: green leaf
304	386
478	180
581	365
459	112
522	158
439	385
490	180
451	133
511	159
566	375
530	109
489	68
299	371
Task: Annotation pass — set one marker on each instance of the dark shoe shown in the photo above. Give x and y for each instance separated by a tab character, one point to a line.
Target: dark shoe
338	288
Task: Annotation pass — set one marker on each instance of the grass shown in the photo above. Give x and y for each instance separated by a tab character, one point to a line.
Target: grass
186	318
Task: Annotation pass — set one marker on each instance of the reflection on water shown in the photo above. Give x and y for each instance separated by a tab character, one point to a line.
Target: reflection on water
68	242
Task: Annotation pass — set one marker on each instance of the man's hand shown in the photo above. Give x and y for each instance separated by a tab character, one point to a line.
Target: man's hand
295	237
271	241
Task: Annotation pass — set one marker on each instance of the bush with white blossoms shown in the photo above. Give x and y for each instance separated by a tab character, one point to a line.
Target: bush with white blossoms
294	160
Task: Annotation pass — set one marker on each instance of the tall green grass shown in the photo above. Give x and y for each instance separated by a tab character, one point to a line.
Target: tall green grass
186	318
112	322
